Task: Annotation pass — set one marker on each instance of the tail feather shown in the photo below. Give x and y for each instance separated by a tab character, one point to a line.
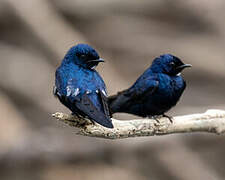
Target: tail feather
118	102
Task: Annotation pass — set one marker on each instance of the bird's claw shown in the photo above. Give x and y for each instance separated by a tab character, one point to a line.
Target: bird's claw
156	118
169	117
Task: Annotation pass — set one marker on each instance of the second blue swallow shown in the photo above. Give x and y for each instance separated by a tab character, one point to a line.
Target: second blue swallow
155	92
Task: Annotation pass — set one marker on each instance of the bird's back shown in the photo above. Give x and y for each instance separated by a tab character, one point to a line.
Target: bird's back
78	81
154	101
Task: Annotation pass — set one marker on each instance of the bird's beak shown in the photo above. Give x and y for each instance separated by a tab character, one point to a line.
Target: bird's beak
101	60
183	66
97	60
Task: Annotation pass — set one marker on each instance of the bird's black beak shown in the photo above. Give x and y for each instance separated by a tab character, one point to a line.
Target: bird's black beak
180	68
96	60
101	60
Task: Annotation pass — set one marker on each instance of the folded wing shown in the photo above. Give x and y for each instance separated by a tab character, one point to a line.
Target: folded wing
88	108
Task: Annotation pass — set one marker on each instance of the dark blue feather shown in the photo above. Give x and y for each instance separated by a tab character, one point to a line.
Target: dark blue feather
156	91
79	87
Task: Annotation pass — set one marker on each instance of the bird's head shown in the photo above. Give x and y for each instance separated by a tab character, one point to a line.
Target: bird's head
168	64
83	55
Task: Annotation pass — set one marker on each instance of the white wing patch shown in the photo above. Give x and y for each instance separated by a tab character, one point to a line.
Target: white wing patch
103	91
88	92
77	91
68	91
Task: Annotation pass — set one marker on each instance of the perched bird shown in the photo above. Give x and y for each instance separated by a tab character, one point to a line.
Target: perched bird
156	91
79	86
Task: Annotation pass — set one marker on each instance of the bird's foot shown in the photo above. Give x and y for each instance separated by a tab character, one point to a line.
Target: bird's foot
156	118
169	117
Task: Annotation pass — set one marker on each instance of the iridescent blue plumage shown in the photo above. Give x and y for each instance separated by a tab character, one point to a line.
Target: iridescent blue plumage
156	91
80	88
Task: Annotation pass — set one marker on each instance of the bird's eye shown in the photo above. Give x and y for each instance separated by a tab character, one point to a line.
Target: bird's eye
82	57
172	64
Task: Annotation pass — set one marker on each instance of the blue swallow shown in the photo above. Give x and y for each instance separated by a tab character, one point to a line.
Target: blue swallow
155	92
80	88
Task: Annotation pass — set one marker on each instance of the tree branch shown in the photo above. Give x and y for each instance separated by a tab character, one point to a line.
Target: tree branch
212	121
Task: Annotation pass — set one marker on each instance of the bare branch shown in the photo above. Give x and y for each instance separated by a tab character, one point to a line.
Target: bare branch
212	121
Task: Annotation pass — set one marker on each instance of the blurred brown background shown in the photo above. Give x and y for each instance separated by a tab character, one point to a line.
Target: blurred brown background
34	36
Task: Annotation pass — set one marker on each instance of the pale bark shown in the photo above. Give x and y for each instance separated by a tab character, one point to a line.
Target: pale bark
212	121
